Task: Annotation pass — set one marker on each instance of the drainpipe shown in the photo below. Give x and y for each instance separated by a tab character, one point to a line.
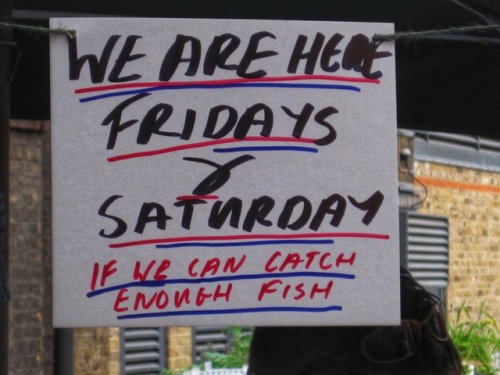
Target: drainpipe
5	46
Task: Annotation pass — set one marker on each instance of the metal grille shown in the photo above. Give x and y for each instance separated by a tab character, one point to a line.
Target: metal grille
424	248
460	150
213	339
143	351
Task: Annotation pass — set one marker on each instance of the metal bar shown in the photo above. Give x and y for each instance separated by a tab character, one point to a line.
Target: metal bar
63	351
5	46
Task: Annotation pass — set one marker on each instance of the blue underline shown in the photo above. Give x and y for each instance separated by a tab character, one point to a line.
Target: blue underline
250	310
266	148
246	243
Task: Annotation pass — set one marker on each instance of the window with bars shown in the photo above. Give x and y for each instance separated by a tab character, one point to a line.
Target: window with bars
213	339
143	351
424	247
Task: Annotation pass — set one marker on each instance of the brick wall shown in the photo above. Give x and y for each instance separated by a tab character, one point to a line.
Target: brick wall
97	351
471	200
179	347
30	332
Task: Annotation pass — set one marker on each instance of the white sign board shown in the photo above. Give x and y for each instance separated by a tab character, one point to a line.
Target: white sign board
224	172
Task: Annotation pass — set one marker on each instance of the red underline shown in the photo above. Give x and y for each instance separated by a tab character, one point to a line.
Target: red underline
205	144
376	236
120	86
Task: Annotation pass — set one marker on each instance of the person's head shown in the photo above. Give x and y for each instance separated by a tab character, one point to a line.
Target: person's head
419	346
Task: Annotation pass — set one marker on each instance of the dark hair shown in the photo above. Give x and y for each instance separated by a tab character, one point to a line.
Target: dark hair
337	350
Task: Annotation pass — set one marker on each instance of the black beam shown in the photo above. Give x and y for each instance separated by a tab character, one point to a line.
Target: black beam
5	47
63	351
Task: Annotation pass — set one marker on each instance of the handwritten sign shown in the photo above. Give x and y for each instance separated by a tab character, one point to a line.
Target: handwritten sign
233	172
